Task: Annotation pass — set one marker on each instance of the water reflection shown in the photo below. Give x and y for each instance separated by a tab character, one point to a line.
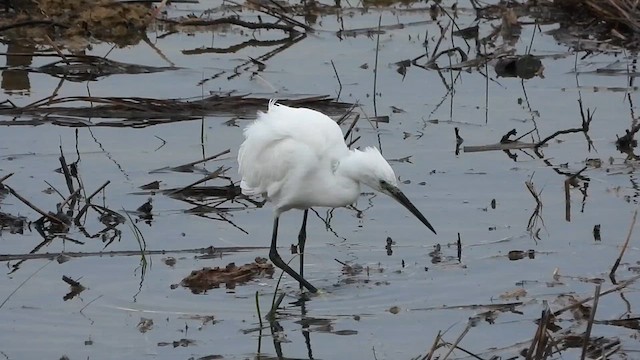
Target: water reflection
15	77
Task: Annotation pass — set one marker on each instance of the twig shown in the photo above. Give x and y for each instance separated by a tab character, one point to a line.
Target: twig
434	346
337	77
57	49
206	251
538	344
353	124
90	302
567	200
586	122
567	192
587	333
88	201
32	23
54	189
5	177
68	199
213	175
38	210
375	70
459	246
455	344
65	171
493	147
559	132
259	319
232	21
24	282
204	160
277	14
98	190
624	246
623	285
275	303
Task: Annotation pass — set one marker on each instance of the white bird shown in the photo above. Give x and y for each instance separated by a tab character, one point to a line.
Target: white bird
297	159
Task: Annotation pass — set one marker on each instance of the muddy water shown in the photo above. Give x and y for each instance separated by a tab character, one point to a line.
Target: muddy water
395	308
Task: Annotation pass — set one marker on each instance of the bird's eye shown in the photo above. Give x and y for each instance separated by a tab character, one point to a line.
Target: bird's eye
382	182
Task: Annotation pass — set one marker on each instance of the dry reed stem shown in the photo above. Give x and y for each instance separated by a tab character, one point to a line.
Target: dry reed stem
455	344
539	339
624	246
204	160
621	286
587	333
213	175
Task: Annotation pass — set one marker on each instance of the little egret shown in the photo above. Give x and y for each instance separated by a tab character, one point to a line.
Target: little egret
297	159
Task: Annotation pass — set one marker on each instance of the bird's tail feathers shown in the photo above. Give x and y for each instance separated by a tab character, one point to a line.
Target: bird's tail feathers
272	105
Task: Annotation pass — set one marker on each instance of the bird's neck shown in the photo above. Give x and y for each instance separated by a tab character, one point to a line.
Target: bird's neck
351	167
348	175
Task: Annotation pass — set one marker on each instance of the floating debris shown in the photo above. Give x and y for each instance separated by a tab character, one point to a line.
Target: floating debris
76	288
200	281
145	325
521	66
143	112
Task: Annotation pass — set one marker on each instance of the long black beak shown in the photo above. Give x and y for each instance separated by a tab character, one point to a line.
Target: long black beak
395	193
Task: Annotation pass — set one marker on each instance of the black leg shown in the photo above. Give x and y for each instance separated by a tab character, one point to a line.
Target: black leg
302	238
277	260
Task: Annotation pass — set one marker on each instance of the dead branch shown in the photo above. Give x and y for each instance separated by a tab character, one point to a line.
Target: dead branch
231	21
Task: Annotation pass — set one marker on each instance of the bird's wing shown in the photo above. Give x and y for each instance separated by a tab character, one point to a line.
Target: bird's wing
283	142
264	165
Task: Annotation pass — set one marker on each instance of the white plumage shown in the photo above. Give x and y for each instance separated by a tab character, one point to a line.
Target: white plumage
297	159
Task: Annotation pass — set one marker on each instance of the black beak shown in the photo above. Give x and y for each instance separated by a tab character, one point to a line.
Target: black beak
395	193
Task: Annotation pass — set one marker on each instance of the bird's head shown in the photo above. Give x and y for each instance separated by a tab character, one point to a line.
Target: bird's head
371	169
375	171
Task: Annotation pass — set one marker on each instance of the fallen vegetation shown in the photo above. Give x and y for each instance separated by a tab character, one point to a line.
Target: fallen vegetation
200	281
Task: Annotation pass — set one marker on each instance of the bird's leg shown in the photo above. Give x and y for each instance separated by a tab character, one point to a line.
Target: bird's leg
302	238
277	260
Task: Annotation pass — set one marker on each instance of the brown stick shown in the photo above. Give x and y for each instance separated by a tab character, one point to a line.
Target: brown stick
38	210
205	159
455	344
5	177
499	146
539	339
353	124
88	202
65	171
567	200
66	201
232	21
434	347
98	190
623	285
592	316
213	175
624	246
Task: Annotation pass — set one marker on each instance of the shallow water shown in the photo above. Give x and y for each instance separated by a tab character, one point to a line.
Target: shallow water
351	318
